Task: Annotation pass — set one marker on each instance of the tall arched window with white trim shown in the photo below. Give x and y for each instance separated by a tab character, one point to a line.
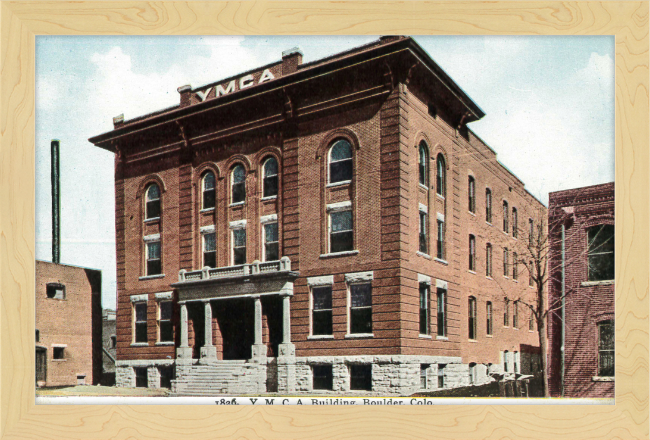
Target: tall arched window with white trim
238	184
270	180
208	190
423	164
340	161
441	175
153	202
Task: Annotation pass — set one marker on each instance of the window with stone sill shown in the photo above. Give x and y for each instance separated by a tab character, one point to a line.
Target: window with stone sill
238	184
208	183
322	311
423	164
152	208
58	353
270	180
606	354
165	326
360	308
600	253
471	324
210	249
341	233
271	243
238	246
441	175
488	205
140	322
154	266
322	378
340	161
424	309
441	308
471	194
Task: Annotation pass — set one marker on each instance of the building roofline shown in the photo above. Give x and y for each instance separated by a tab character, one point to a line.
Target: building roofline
67	265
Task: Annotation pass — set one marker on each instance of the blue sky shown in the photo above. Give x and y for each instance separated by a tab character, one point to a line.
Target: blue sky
549	104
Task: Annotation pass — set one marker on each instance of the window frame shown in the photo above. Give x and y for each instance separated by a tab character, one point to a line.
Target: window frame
337	211
148	260
515	219
266	178
591	254
148	200
328	377
441	312
160	321
425	320
204	236
233	246
233	184
441	175
601	371
488	205
515	268
205	192
56	287
515	314
266	243
488	318
423	242
506	312
423	164
471	319
350	287
135	322
330	162
471	194
506	262
472	253
313	311
488	260
440	240
506	215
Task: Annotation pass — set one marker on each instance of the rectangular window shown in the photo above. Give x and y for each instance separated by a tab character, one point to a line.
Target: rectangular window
531	233
38	336
442	312
506	361
531	321
472	253
165	327
55	290
140	322
141	377
360	308
515	315
271	245
238	246
424	368
601	253
505	216
515	272
341	234
506	312
531	279
471	194
361	377
441	375
514	222
322	377
58	352
488	318
505	262
153	258
488	205
322	310
471	324
606	348
210	250
440	250
424	309
488	260
424	242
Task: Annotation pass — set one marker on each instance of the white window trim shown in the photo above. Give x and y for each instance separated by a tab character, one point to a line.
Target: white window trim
237	224
340	206
329	163
440	216
264	224
133	318
164	296
140	298
208	229
152	237
205	231
311	308
232	240
269	218
362	279
424	279
158	309
423	208
326	280
359	277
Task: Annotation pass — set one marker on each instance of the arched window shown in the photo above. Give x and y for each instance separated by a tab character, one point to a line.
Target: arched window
472	318
472	253
423	164
488	260
506	312
153	201
441	175
340	161
270	177
488	205
471	194
238	184
208	189
488	318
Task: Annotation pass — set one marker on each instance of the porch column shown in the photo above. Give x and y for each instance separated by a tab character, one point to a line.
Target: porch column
258	349
208	351
286	319
184	352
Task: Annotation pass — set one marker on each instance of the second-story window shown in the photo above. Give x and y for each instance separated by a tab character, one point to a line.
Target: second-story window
270	177
238	184
515	233
165	326
506	312
360	308
321	311
505	216
600	253
441	308
488	205
531	233
340	162
472	253
210	249
271	250
515	272
440	248
471	194
441	175
424	309
238	246
341	233
424	241
140	322
488	318
208	184
505	262
423	164
488	260
153	202
515	315
154	266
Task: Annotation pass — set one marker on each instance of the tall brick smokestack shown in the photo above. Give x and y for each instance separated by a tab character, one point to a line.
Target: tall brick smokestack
56	204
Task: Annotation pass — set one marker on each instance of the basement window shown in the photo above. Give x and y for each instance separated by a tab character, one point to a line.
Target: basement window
141	377
55	290
361	377
322	377
58	352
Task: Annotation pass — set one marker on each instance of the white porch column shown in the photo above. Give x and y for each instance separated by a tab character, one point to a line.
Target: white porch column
184	352
184	341
208	351
286	319
258	320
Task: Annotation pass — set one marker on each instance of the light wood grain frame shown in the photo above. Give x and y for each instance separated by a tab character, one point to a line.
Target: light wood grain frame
21	418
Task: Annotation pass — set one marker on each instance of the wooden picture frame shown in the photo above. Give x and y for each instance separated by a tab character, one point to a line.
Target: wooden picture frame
21	418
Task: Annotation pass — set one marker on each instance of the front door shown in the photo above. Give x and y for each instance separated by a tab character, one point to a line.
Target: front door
41	364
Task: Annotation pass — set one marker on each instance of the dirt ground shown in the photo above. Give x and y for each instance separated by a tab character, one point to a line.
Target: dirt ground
97	390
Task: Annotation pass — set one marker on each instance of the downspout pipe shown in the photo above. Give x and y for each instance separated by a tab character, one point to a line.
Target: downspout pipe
563	313
56	202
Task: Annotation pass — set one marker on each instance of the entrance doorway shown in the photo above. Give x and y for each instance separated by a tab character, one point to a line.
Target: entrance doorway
236	318
41	364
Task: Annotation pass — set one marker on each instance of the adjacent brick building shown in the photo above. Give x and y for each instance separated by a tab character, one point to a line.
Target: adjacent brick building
588	218
68	325
319	227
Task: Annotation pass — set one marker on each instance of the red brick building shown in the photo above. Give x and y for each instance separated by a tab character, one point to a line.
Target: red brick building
588	218
326	226
68	325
